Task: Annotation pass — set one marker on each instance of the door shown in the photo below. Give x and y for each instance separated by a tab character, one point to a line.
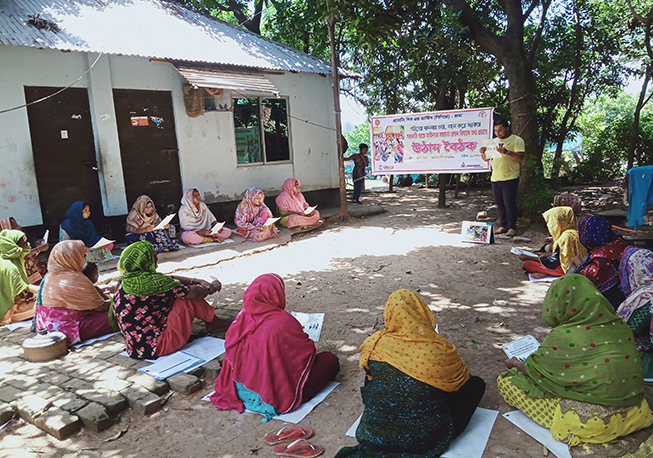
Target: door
148	147
64	154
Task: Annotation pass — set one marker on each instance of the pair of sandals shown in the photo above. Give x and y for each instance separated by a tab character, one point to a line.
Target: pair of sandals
298	445
508	232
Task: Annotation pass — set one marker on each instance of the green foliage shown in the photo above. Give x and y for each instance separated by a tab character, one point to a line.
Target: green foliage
360	134
539	197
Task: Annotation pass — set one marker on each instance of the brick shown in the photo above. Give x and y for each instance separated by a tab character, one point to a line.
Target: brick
68	401
54	378
58	423
121	360
10	393
184	383
6	413
113	384
31	369
44	390
212	370
197	371
148	404
10	363
22	382
95	417
150	383
112	401
29	407
12	350
117	371
133	393
75	384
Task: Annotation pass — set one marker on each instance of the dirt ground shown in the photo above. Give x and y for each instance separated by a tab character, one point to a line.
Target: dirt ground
347	271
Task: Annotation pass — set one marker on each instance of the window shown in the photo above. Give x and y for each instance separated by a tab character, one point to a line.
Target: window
261	130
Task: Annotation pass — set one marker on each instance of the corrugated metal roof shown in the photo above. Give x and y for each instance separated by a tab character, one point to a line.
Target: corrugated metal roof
228	80
147	28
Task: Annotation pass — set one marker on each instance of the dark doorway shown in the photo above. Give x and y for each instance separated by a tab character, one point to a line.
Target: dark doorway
64	154
148	147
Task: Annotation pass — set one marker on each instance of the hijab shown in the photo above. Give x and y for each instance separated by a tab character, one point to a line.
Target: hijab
289	200
77	227
139	277
13	277
606	248
66	286
137	217
563	227
590	353
409	343
192	217
636	270
5	223
266	350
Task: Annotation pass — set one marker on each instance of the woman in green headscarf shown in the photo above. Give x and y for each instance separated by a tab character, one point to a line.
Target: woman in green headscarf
16	298
585	381
155	312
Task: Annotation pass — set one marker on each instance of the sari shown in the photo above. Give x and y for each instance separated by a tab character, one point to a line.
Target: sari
606	248
248	216
563	227
16	299
161	239
636	269
289	200
267	351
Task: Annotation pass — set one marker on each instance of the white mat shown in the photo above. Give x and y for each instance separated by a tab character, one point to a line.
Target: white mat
19	324
202	245
471	443
94	339
297	415
537	432
548	279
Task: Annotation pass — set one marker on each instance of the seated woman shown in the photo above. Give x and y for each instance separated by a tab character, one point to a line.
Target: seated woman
563	227
584	382
251	215
636	272
291	205
567	199
196	221
142	220
418	392
68	301
601	266
77	227
16	297
270	365
155	312
36	268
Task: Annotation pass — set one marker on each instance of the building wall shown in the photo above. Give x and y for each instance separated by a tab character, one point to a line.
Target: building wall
206	144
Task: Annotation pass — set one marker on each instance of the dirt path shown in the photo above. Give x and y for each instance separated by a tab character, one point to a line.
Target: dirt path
347	271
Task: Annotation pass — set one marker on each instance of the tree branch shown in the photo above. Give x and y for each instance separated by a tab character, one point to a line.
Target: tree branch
635	14
538	34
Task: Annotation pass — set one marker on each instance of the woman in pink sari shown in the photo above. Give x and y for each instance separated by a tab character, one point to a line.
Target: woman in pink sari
251	215
270	365
291	203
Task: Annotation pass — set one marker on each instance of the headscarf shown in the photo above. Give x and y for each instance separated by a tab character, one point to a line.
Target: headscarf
409	343
606	248
139	277
137	217
589	355
66	286
289	200
636	271
77	227
13	277
192	218
5	223
249	215
567	199
563	227
266	350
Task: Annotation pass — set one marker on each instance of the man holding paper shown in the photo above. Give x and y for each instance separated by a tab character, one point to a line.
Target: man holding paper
505	175
197	221
293	208
145	224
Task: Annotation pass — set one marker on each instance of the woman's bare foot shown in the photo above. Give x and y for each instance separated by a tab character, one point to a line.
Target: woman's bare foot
539	275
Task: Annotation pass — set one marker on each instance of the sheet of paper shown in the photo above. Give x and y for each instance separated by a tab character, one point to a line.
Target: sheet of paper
271	221
473	440
217	228
205	348
519	251
204	245
46	235
164	223
537	432
650	380
298	415
351	432
310	210
102	242
95	339
311	323
167	366
548	279
491	146
521	348
19	324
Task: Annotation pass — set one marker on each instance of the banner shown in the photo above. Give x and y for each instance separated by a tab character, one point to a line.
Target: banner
437	142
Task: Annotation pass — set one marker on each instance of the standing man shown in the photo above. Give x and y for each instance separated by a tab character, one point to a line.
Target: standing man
358	175
505	175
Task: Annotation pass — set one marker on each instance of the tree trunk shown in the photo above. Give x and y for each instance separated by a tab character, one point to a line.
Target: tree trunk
634	139
442	195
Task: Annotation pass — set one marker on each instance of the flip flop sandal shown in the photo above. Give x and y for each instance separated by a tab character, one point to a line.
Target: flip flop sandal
301	447
288	434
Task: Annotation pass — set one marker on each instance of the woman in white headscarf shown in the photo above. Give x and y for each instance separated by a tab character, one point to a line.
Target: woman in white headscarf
197	221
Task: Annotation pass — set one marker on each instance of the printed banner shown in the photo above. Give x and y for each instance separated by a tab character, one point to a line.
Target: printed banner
437	142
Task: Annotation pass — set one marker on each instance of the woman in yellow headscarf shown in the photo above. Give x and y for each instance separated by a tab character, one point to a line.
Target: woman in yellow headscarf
418	392
563	227
16	297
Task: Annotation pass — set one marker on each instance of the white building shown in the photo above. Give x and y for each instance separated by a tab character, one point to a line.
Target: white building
123	129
